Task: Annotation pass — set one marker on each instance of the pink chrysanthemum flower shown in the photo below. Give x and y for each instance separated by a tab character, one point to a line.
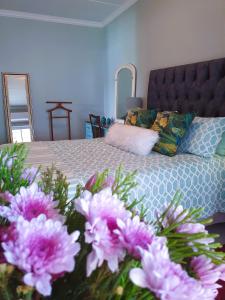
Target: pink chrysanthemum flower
135	234
166	279
173	215
42	249
90	183
192	228
177	215
221	268
6	234
208	274
109	182
6	196
30	203
7	160
30	174
102	211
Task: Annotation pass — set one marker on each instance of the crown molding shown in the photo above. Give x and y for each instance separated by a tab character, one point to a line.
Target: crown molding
118	12
47	18
69	21
103	2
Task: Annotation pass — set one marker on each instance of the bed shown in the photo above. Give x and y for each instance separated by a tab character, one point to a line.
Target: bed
201	180
196	87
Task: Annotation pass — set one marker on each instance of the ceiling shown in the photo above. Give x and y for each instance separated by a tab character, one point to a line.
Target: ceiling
100	12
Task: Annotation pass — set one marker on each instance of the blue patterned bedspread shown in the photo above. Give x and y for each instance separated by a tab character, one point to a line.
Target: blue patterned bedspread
201	180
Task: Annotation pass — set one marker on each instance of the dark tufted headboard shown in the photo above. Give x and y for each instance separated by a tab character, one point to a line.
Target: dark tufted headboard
198	87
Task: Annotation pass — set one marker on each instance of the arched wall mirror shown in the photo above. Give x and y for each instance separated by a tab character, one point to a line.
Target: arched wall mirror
125	87
18	110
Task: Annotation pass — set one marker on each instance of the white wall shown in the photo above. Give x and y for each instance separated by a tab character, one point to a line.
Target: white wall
167	33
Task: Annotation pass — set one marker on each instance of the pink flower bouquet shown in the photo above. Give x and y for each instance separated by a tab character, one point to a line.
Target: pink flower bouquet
98	245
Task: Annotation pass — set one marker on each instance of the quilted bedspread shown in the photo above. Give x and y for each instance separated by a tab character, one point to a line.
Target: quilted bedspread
201	180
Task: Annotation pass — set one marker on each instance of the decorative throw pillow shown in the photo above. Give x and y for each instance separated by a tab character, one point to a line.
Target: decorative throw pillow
220	150
171	131
141	118
204	136
161	120
131	138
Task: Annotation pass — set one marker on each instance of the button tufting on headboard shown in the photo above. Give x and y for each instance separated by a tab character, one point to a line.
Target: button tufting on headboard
198	87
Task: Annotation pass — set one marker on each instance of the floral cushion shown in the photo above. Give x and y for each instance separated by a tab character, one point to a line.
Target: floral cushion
204	136
161	120
172	127
141	118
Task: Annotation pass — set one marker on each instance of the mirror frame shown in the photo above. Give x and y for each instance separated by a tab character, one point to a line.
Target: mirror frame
7	108
133	71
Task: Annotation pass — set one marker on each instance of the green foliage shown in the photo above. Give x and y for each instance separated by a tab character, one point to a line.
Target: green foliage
76	284
47	180
124	184
54	182
102	284
10	284
183	246
11	167
100	180
119	284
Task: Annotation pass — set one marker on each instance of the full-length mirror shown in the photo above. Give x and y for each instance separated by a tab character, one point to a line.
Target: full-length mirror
18	110
125	87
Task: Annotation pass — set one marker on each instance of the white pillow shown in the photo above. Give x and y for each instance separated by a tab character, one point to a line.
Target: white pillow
131	138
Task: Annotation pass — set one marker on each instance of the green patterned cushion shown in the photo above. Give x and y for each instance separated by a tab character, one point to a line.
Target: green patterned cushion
220	150
204	136
172	134
161	120
141	118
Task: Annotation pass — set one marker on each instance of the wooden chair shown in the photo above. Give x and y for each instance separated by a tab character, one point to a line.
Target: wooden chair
97	130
